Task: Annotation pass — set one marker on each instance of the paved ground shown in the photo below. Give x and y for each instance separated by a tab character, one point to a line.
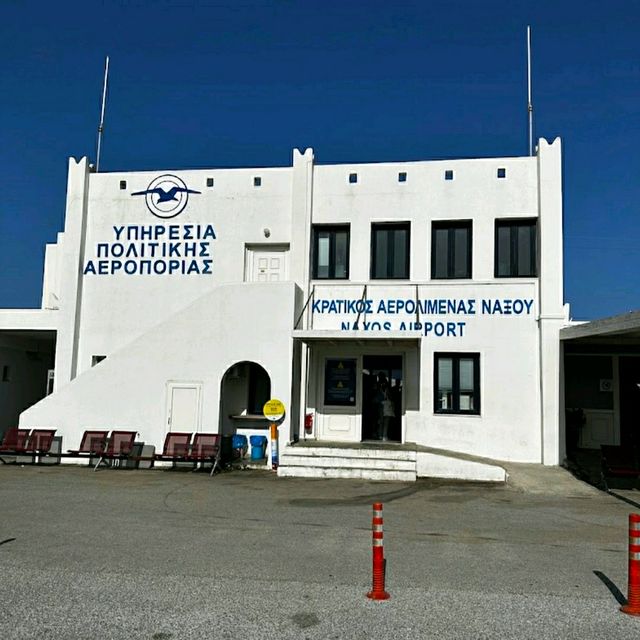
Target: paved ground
166	555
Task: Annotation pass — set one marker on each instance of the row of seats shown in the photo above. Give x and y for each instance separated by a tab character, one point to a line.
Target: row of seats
201	449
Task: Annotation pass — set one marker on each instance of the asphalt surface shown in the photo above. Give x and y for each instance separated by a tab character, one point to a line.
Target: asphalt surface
172	554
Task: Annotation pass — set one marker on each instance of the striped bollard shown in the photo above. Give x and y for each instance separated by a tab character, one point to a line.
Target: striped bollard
377	591
633	595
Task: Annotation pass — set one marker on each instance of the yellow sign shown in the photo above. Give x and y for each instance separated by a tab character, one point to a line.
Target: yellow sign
273	409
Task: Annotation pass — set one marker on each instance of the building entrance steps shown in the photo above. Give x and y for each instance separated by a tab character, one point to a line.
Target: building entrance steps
364	460
406	462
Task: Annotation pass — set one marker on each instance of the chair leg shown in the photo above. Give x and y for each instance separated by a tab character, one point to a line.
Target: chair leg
97	465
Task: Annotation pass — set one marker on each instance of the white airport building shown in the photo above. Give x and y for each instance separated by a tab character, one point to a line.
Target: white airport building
410	315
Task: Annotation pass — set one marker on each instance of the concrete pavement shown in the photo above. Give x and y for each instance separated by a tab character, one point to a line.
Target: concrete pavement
171	554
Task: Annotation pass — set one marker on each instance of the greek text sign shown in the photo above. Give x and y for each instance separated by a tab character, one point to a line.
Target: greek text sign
432	315
157	249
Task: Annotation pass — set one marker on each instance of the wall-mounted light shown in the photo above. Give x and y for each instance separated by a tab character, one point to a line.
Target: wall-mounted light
267	232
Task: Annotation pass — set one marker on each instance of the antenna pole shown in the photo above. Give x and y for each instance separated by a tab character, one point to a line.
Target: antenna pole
529	103
104	101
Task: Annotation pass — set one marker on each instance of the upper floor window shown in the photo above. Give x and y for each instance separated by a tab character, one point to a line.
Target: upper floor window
516	248
390	250
331	252
451	249
457	383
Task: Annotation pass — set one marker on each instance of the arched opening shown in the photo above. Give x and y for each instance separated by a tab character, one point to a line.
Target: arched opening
244	389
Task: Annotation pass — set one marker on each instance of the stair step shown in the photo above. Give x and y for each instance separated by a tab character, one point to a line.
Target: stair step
347	462
344	452
361	474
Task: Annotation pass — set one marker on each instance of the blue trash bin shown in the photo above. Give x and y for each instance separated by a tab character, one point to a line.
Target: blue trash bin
239	444
258	447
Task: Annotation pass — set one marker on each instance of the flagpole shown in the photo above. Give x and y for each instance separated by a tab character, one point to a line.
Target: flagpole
104	101
529	102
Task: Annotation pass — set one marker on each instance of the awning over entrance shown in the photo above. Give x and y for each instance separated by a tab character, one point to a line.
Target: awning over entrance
395	338
625	327
601	385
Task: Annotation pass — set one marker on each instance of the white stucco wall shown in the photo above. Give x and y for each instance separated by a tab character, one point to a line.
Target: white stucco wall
154	327
128	390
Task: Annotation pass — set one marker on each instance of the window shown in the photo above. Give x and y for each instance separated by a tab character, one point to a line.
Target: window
97	360
502	172
340	382
516	248
209	182
331	252
353	178
257	181
123	185
448	174
451	249
402	176
457	383
390	250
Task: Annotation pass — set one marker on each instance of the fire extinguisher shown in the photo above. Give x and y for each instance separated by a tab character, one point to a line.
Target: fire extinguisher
308	423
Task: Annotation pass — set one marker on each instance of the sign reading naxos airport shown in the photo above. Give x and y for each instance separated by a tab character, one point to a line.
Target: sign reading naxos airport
432	316
157	249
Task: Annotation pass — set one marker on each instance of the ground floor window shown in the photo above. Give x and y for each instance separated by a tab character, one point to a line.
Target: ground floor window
457	383
340	382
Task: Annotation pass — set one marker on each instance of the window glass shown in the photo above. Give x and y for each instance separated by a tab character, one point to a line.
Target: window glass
524	250
390	250
504	251
441	252
445	383
516	250
461	244
399	253
457	383
451	249
323	255
342	254
330	251
382	253
340	382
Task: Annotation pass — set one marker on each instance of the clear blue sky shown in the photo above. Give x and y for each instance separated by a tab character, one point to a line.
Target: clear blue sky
240	83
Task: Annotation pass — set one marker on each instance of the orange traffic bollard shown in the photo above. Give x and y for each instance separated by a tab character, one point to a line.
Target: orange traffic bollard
633	596
377	591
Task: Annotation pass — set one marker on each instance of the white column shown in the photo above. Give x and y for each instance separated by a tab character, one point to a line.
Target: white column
552	315
71	276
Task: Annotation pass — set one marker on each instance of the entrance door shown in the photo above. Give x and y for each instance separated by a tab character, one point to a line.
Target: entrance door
629	400
183	406
340	402
267	263
382	398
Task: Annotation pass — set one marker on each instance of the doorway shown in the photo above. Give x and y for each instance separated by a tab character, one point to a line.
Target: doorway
629	400
382	398
183	406
266	263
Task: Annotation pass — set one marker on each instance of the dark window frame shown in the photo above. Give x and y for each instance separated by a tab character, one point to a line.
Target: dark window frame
450	226
455	374
514	223
390	226
332	228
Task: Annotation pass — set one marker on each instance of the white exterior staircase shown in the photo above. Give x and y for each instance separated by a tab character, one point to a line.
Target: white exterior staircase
333	460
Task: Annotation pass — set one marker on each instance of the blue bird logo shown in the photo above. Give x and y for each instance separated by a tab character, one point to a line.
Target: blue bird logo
166	196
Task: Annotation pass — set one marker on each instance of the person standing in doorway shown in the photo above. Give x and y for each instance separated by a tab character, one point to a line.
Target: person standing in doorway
388	411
